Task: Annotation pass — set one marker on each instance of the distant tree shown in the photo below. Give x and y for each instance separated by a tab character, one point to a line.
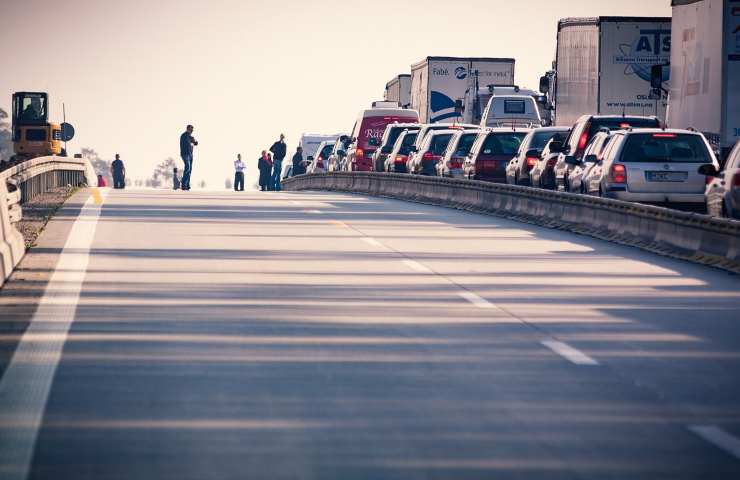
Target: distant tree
6	137
227	184
101	166
163	173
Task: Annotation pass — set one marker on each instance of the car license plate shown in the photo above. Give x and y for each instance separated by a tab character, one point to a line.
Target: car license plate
667	176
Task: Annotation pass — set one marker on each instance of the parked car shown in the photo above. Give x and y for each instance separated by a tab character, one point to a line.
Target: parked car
396	160
491	152
723	190
424	161
517	171
320	164
425	128
581	133
458	148
392	131
542	175
590	165
652	165
368	131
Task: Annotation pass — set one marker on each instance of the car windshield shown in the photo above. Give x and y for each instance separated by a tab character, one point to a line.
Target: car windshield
622	122
665	148
463	145
503	143
540	139
439	143
407	143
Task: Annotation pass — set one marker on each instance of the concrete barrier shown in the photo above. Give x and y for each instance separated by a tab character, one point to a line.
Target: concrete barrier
690	236
20	184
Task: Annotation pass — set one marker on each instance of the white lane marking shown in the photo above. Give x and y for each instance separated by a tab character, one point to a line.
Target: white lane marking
24	388
314	212
476	300
414	265
719	438
296	202
372	241
568	352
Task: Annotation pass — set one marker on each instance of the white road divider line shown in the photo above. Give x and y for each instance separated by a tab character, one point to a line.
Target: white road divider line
414	265
314	212
372	241
573	355
476	300
718	437
25	386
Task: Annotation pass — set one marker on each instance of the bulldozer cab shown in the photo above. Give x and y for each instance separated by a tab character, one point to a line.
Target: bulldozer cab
33	135
30	108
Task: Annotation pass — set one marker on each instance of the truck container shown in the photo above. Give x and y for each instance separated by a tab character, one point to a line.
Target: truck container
438	84
705	70
399	90
603	66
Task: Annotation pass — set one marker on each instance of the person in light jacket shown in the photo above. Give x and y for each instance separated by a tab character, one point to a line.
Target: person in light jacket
239	174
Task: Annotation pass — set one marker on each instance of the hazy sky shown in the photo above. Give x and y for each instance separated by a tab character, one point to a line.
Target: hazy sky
134	73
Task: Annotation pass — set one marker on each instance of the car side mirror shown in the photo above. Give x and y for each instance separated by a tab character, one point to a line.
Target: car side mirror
590	158
709	170
532	153
571	160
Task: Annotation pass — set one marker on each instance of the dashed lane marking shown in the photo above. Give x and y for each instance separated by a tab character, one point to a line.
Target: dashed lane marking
476	300
416	266
313	212
372	241
566	351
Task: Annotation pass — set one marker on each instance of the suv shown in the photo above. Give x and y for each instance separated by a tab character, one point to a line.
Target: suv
452	161
368	131
517	171
425	161
651	165
723	191
390	136
580	135
429	127
395	162
491	152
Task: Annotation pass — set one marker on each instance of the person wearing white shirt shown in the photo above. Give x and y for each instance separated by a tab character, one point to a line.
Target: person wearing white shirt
239	174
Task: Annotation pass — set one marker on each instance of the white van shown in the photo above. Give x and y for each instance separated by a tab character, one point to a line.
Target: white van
514	110
311	141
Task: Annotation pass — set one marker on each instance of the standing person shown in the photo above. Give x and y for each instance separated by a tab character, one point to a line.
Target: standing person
175	179
186	153
119	173
278	149
299	166
239	173
265	167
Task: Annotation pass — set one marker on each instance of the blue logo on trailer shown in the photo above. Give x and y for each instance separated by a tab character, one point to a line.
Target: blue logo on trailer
652	47
461	73
442	106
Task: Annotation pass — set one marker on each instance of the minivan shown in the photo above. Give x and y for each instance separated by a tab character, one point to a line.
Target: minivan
368	132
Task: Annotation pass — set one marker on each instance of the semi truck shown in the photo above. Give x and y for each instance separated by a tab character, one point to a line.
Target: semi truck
705	70
438	84
398	90
603	66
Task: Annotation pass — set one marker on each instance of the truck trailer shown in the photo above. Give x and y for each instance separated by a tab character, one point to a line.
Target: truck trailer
438	84
705	70
399	90
603	66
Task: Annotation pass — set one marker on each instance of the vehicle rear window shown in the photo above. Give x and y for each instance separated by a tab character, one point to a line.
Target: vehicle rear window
514	106
393	135
464	144
619	123
665	148
408	142
439	143
540	139
502	143
326	151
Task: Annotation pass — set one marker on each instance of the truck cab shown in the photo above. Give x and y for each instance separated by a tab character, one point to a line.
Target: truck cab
33	134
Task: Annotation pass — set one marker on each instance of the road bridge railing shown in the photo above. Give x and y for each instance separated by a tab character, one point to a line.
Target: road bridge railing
690	236
23	182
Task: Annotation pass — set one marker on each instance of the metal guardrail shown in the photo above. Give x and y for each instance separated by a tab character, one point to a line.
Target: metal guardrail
691	236
22	183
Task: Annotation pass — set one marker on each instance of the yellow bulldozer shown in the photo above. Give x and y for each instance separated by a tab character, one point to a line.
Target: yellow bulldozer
33	134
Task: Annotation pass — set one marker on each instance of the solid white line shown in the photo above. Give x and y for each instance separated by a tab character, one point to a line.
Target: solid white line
24	388
372	241
414	265
315	212
719	438
476	300
568	352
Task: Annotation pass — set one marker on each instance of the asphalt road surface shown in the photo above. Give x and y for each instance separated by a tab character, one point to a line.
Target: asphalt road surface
196	335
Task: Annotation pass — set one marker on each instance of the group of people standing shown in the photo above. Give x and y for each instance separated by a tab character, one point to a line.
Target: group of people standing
270	165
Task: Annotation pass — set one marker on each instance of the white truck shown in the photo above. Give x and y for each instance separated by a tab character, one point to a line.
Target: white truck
705	70
438	84
603	66
398	90
478	106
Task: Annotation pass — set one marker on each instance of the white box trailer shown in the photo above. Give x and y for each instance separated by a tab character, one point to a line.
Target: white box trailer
705	70
438	82
603	66
399	90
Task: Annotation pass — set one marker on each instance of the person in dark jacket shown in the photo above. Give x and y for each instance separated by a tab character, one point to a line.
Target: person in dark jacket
265	167
119	173
299	166
186	153
279	150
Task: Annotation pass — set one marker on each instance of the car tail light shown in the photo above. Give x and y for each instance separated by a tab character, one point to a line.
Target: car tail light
531	162
455	162
359	153
427	156
624	125
584	138
619	173
708	179
400	159
552	162
320	162
664	135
